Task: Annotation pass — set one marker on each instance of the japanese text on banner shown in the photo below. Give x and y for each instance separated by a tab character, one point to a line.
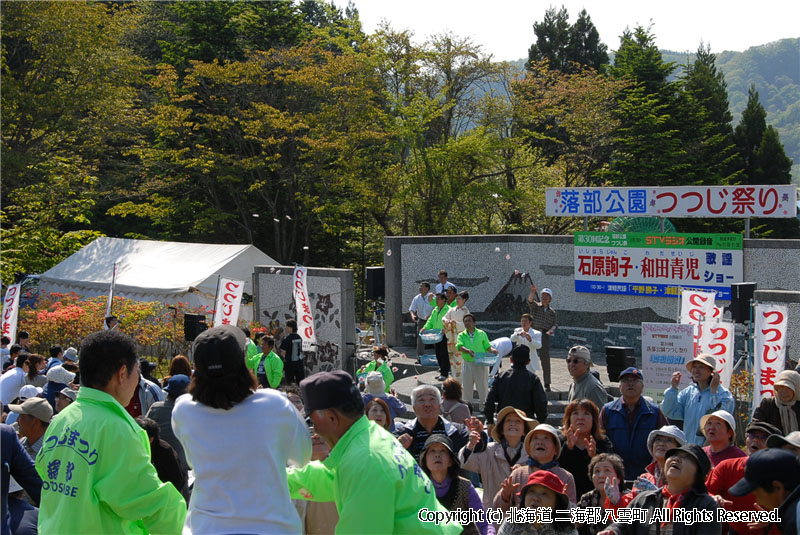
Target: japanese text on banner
11	311
305	318
695	307
770	349
683	201
716	339
229	299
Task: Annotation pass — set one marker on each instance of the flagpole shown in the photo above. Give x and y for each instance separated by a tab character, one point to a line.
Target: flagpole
216	300
110	294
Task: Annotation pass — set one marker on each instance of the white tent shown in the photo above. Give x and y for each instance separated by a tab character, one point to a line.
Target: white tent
168	272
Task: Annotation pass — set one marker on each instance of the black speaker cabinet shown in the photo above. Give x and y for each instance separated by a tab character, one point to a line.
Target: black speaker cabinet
193	325
376	283
741	294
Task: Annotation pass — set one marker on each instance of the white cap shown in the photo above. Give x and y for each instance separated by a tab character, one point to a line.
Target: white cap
548	291
725	416
57	374
29	391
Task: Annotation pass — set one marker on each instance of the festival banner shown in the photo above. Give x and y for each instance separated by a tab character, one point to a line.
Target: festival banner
695	307
666	348
716	339
11	311
657	265
769	355
305	318
682	201
110	295
229	298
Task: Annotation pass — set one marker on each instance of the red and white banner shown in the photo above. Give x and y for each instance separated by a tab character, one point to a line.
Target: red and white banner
770	349
110	295
11	311
696	307
716	339
229	298
305	318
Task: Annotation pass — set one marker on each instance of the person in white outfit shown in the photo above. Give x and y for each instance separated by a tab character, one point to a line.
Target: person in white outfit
526	335
239	441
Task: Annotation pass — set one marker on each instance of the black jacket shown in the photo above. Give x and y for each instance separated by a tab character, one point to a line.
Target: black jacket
768	411
518	388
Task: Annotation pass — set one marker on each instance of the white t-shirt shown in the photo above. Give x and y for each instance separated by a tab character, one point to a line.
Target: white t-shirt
10	384
239	457
535	343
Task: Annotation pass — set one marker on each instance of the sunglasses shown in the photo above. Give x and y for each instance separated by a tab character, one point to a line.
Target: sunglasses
574	361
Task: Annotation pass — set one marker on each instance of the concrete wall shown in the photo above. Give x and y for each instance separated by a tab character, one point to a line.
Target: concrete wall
485	266
333	302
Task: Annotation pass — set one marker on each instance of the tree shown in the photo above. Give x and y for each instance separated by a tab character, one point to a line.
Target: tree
567	47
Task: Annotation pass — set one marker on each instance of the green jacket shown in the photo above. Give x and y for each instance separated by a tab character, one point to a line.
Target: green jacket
479	343
252	355
388	376
375	482
95	465
435	319
273	365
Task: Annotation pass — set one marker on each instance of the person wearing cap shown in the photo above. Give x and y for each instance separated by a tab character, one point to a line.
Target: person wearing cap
544	321
773	476
526	335
517	387
440	463
64	398
379	363
685	470
659	442
728	472
419	310
543	445
435	322
426	400
704	396
582	439
494	464
161	413
719	428
782	409
99	479
19	465
58	378
584	383
790	442
396	489
26	392
34	418
376	389
542	490
267	365
629	420
235	435
71	355
471	341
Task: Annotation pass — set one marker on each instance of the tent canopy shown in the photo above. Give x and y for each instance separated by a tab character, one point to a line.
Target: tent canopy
161	271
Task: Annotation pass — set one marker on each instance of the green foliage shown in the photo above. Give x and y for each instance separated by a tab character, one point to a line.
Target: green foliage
566	47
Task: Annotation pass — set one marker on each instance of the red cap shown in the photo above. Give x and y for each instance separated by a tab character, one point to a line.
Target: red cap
545	479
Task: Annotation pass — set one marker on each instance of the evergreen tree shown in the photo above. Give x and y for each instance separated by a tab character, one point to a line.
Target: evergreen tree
749	132
561	44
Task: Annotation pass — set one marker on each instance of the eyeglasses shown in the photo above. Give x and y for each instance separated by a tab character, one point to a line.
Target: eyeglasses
758	436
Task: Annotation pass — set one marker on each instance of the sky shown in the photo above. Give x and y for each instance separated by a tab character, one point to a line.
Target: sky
504	28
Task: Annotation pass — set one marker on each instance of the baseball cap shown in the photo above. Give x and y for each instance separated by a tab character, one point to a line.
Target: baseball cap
548	291
177	384
71	354
69	393
220	350
324	390
632	371
765	466
546	479
37	407
29	391
582	352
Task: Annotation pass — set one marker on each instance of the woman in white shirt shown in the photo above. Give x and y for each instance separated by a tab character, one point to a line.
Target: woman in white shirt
238	440
526	335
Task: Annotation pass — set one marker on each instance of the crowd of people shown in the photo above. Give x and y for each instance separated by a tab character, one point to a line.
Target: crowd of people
238	440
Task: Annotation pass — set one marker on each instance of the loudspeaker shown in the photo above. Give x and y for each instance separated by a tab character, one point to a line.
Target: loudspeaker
618	358
193	325
741	294
376	283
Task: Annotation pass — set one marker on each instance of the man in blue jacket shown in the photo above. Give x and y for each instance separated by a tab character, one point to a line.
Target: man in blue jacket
629	420
16	463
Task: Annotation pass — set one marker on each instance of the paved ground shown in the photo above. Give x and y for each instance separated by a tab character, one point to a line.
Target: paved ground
410	373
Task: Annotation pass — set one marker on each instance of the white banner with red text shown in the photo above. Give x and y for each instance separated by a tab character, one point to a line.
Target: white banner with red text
305	318
715	338
769	354
229	298
697	306
11	311
681	201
